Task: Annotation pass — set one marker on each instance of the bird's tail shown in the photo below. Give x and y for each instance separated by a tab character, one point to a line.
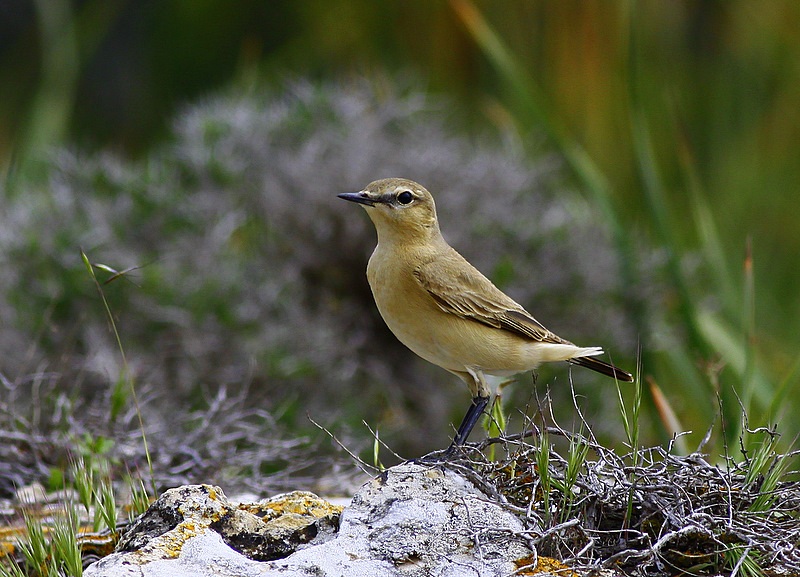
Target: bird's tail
603	367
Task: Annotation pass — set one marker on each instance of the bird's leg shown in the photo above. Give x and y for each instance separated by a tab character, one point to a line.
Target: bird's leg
468	422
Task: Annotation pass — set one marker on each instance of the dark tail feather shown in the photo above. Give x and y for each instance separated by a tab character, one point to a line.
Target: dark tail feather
603	367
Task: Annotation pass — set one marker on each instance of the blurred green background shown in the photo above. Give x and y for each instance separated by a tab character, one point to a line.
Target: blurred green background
679	121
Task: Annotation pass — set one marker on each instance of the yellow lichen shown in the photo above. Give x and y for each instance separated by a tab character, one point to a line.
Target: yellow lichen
533	565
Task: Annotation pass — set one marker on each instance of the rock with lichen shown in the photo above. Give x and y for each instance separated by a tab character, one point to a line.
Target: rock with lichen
412	520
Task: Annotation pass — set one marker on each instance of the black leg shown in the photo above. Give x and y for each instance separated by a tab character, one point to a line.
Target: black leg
468	423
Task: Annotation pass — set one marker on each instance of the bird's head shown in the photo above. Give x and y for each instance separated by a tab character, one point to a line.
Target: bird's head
399	208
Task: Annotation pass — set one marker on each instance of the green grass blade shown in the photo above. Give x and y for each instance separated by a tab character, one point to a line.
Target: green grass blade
126	377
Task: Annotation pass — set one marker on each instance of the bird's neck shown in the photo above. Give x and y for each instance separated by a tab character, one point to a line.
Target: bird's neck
409	237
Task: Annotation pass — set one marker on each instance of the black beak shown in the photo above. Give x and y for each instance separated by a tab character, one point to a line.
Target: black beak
359	197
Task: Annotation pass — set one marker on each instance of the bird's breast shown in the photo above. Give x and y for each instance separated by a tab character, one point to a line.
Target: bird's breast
407	309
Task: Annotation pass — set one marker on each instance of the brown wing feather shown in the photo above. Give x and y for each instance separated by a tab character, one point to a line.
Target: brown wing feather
469	294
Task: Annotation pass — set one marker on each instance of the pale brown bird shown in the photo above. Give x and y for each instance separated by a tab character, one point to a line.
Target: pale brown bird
442	308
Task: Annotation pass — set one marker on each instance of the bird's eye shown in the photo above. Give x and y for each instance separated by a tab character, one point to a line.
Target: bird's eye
405	197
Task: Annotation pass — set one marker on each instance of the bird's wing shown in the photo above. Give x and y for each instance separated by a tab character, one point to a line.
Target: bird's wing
460	289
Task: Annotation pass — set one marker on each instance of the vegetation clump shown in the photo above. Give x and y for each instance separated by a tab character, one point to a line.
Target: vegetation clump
649	511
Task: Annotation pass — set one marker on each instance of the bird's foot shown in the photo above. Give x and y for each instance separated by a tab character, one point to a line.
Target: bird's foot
454	452
433	458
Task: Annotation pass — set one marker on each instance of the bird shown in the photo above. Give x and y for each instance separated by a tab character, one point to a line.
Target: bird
445	310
